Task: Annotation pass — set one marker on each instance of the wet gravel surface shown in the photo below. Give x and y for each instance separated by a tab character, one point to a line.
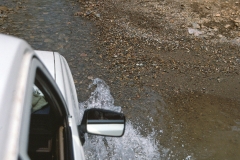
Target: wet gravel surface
52	26
173	66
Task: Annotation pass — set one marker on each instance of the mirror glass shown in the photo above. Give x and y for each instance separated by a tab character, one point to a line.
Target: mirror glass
105	122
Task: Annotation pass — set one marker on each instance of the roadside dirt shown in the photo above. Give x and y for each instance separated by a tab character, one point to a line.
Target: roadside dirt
186	51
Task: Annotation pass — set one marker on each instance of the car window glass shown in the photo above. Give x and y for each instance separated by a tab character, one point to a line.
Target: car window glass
46	132
38	100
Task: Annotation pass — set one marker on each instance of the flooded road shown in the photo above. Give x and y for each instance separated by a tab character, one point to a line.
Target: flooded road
52	26
174	114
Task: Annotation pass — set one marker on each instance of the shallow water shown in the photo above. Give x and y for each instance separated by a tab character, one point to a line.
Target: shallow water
132	145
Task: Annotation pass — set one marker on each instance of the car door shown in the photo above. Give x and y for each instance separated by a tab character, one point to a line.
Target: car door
45	132
64	80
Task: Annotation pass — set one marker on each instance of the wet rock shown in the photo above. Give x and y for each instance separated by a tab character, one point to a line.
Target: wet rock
48	41
1	22
182	6
195	32
78	14
90	77
220	36
4	26
215	28
83	55
3	16
227	26
88	13
139	64
3	9
238	60
19	5
97	15
220	80
196	26
208	7
237	22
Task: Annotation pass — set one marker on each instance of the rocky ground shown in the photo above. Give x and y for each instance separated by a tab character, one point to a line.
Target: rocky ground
181	55
170	45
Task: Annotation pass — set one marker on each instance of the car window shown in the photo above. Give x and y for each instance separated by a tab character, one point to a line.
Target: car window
42	128
38	100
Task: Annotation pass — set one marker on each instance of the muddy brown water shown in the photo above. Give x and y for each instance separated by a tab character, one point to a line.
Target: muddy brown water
188	125
206	125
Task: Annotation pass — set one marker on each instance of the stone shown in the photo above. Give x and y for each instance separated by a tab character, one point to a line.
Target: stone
196	26
227	26
220	80
90	77
4	26
97	15
237	22
208	7
88	13
48	40
3	16
83	55
3	8
215	28
238	60
195	32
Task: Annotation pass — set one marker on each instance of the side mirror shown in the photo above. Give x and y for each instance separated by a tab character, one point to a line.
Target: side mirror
103	122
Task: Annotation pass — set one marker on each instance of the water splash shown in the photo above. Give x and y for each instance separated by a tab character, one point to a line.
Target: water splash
131	146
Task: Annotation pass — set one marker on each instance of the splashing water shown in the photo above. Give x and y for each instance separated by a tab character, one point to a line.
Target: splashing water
131	146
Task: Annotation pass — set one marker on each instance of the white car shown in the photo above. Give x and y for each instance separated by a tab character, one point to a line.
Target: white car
40	117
